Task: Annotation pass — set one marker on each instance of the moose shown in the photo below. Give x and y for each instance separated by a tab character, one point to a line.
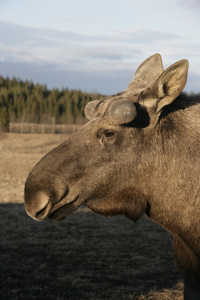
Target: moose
138	154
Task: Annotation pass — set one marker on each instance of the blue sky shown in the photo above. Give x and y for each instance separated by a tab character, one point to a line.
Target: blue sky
96	45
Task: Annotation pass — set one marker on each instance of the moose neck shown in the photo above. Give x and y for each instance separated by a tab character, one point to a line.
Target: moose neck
172	178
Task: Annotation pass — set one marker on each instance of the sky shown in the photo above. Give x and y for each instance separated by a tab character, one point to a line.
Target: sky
96	46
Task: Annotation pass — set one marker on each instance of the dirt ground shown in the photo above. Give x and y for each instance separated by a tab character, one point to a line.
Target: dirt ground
85	256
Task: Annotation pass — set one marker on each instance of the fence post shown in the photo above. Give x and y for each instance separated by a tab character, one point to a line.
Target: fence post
10	127
53	124
22	127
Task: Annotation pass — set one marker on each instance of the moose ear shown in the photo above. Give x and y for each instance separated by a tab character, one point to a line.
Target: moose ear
147	73
171	83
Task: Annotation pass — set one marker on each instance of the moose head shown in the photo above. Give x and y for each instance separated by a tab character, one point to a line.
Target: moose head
138	154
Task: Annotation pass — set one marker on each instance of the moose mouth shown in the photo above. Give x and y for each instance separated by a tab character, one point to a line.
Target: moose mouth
58	214
58	211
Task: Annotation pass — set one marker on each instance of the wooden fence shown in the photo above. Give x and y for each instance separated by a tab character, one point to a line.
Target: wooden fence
43	128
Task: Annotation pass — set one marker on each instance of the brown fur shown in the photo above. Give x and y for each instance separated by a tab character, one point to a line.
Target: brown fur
149	166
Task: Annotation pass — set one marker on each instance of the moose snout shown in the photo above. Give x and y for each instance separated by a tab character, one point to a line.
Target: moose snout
42	195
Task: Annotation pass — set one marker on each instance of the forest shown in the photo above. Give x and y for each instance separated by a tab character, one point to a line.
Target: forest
24	101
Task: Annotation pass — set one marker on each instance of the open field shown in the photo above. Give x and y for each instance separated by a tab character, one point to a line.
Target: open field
18	155
83	257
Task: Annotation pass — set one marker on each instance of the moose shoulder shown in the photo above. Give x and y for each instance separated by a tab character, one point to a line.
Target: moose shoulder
138	154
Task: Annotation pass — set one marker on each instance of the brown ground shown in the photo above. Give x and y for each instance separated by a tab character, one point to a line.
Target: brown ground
83	257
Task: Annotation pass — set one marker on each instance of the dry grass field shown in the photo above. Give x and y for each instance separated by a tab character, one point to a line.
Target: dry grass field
85	256
18	155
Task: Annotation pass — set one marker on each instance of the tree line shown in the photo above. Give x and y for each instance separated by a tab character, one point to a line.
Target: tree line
24	101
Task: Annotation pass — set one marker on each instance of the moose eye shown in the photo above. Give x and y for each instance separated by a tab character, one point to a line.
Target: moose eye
106	136
109	134
109	137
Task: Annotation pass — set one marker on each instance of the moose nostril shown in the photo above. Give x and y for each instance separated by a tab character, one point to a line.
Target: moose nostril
43	213
35	203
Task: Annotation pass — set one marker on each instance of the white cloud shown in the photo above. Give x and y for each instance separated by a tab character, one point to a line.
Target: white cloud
22	43
110	55
191	4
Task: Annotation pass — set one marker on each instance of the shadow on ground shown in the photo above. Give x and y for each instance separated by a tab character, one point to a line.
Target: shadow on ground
86	256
